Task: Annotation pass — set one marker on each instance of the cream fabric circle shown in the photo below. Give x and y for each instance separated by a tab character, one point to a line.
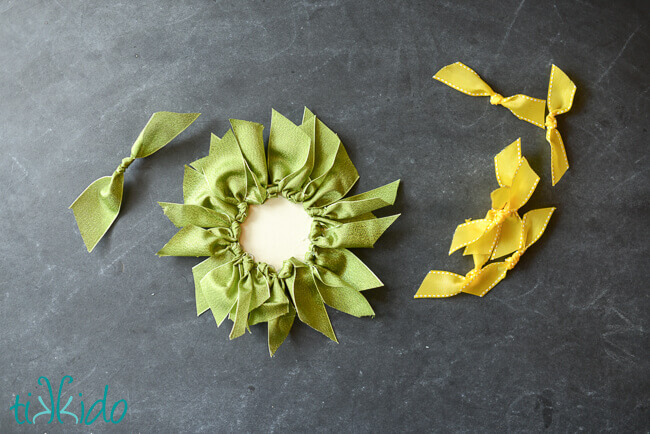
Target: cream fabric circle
275	231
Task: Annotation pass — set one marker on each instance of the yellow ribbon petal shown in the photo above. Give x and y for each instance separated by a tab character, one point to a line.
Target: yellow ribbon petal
506	163
484	245
464	79
509	237
468	233
523	185
534	224
441	284
561	91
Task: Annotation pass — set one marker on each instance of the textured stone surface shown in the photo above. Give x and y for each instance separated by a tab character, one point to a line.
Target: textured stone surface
562	344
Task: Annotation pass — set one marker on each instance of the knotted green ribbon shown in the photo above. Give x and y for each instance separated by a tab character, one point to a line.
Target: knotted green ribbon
98	206
306	164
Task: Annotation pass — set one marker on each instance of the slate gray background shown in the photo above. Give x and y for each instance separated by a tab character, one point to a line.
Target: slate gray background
560	345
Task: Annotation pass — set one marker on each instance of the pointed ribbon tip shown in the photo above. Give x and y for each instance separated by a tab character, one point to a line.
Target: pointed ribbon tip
97	206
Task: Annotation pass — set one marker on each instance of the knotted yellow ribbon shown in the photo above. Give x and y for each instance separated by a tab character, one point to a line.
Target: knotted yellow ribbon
497	234
500	233
561	91
464	79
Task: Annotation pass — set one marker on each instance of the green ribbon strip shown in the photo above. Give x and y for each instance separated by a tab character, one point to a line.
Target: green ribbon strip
98	206
306	164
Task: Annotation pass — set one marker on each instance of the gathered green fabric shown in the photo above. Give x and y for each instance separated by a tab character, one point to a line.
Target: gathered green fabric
306	164
97	206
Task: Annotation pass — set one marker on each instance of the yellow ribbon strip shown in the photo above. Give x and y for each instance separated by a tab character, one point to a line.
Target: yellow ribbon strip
561	91
500	233
464	79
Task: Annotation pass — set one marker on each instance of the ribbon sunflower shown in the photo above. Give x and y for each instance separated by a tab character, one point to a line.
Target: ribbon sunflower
561	91
500	233
306	164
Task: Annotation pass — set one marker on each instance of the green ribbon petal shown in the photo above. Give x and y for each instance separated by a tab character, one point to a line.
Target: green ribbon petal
199	271
290	154
355	234
326	142
253	290
276	305
334	184
249	136
225	170
162	128
244	296
333	173
261	290
308	301
339	295
292	185
196	190
348	267
277	311
184	215
193	241
97	206
220	290
251	146
279	329
360	204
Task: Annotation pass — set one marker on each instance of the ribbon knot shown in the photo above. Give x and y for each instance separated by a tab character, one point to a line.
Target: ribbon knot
286	271
498	216
237	249
235	228
242	211
551	122
265	269
244	259
512	260
316	212
310	256
126	162
272	191
248	263
496	99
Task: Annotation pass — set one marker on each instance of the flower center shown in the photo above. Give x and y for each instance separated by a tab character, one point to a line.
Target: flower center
275	231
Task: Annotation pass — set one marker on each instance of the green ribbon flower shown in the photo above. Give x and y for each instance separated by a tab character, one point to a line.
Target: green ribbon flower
306	164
